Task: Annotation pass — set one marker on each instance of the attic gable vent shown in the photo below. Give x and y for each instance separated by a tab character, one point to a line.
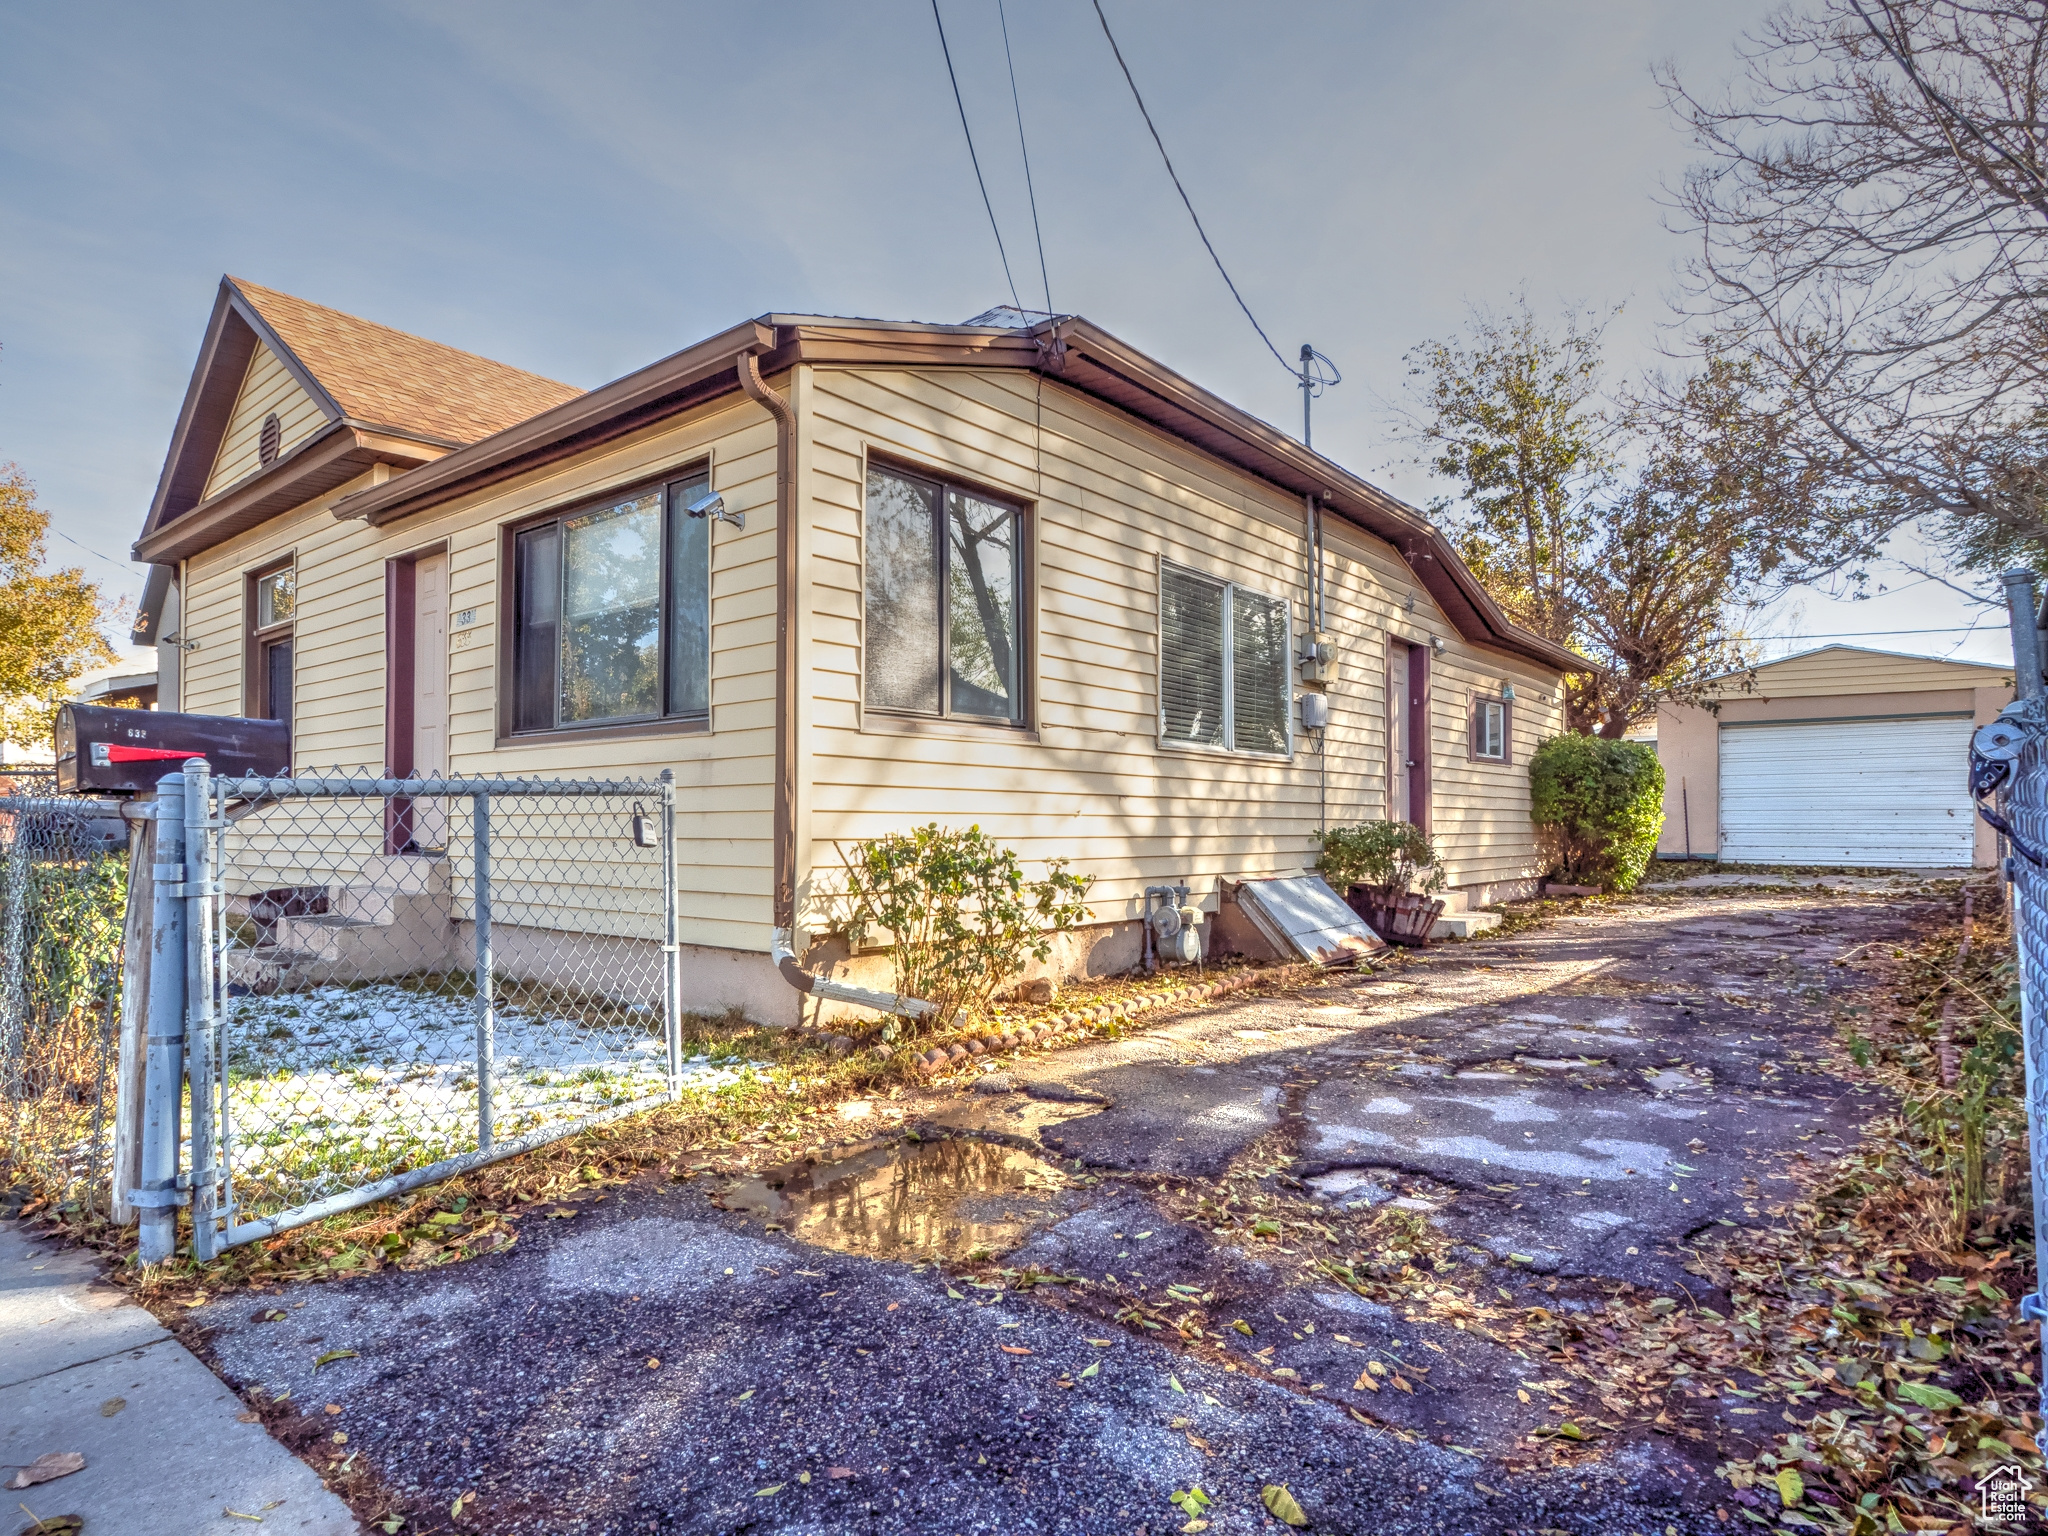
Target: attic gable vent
269	439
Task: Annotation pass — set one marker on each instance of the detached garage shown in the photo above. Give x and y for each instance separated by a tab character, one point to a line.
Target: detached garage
1839	756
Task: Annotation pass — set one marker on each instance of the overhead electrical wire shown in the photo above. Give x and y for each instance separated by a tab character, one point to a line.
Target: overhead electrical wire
1024	150
1183	191
976	159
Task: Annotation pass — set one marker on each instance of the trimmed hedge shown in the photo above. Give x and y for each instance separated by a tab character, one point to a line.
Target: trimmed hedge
1598	806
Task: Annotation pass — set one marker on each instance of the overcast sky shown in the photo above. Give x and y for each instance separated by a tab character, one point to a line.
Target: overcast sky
578	190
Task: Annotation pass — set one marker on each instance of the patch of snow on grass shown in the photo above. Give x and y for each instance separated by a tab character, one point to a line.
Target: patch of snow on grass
337	1086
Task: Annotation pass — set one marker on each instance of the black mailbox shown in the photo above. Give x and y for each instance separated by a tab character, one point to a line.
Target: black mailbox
103	751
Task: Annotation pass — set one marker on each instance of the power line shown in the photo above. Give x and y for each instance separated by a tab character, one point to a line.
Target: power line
1025	150
1183	191
125	567
976	159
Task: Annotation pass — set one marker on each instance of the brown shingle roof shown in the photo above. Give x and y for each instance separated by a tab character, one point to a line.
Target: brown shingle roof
385	378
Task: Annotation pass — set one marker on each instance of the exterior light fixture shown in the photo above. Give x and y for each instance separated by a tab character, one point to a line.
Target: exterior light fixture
1507	692
1436	643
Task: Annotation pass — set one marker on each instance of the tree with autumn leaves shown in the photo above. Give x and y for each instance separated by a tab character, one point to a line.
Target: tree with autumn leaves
49	620
1638	525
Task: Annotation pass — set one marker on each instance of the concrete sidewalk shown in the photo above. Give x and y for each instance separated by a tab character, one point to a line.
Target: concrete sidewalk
172	1457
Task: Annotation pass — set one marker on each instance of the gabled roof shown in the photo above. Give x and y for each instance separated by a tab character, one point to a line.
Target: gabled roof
1064	348
387	397
394	382
1841	669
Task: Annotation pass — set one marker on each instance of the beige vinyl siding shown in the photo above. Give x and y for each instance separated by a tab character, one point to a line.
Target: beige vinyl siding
268	386
1090	783
1843	669
722	777
1112	499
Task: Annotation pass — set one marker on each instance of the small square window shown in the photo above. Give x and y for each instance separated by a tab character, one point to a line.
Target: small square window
1490	730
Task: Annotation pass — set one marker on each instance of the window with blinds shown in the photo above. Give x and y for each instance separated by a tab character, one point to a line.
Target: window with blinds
1223	660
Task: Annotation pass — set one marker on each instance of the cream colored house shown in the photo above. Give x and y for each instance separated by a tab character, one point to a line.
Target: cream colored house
1835	756
841	576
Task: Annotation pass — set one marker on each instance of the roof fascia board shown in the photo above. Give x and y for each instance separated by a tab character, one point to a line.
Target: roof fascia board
779	341
1359	502
335	448
219	346
606	412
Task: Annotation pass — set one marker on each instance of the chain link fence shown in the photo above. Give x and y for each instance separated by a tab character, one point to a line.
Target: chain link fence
399	980
63	898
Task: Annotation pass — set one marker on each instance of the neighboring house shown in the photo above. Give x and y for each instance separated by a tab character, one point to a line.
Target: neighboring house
1836	756
1004	572
128	683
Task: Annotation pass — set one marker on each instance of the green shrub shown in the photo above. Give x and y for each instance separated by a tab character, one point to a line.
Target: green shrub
1598	806
962	917
1388	854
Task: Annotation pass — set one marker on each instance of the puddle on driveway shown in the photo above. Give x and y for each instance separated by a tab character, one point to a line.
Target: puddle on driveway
918	1199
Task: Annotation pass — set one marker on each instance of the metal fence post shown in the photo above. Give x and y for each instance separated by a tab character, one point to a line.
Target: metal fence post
164	1064
13	957
202	1020
671	953
486	1009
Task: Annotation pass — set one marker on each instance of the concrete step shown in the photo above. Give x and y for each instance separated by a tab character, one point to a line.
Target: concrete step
1464	925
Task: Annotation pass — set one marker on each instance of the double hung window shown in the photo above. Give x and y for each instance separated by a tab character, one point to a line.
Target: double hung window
273	604
611	612
943	629
1223	664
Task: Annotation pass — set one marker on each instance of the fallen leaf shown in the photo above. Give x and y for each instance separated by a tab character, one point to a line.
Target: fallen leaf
892	1306
1365	1383
51	1464
1281	1504
1093	1367
52	1525
1100	1343
249	1418
331	1409
333	1355
112	1406
654	1362
236	1514
762	1493
1791	1486
839	1471
1402	1382
1928	1396
1013	1349
1174	1382
743	1397
954	1294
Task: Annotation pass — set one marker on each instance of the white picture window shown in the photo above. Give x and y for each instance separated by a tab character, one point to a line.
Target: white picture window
1223	665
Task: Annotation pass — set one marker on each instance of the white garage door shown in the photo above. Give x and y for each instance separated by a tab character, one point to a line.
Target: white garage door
1889	793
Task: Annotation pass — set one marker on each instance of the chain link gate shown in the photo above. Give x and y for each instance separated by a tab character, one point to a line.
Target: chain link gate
389	982
2009	764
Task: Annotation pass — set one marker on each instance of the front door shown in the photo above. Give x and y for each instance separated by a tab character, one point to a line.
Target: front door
1408	733
430	693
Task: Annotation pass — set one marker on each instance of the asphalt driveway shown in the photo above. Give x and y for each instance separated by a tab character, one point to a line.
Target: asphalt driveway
1129	1291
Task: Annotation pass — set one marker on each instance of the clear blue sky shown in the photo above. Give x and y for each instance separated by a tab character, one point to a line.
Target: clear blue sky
580	189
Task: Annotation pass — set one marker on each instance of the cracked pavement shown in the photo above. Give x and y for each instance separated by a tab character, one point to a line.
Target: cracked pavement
1565	1105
